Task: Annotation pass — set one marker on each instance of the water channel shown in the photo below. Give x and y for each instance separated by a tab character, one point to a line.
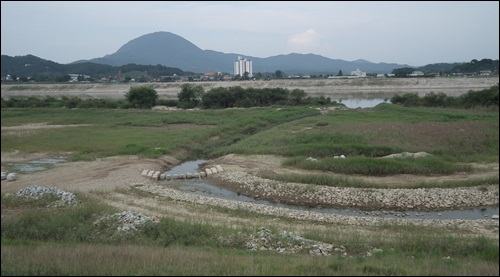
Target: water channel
205	188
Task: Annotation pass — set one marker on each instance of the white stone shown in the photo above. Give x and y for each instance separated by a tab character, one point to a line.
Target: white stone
219	168
156	175
11	176
145	172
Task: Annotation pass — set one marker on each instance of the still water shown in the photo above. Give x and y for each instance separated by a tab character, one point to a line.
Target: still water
205	188
36	165
362	103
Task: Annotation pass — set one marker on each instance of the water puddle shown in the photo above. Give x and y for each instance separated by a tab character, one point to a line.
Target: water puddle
36	165
204	188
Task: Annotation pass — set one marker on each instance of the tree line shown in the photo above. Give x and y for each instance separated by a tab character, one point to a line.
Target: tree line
472	67
190	96
482	98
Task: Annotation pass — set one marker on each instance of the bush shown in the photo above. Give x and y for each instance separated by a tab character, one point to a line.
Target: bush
142	97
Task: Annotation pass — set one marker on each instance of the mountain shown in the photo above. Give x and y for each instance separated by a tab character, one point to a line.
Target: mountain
171	50
38	69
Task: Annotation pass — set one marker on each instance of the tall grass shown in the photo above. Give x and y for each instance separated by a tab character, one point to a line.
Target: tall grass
380	167
322	179
120	260
66	242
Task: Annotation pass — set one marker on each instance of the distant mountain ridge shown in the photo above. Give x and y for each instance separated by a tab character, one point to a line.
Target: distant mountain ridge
165	54
171	50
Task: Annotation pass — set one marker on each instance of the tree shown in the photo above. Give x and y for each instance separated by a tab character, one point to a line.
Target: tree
340	73
297	96
245	76
189	96
278	74
142	97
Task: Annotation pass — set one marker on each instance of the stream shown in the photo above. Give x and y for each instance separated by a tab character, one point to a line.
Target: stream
205	188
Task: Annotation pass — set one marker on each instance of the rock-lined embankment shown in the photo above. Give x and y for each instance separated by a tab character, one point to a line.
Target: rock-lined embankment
367	199
171	193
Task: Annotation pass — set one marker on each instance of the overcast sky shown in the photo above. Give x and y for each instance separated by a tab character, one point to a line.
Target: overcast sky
413	33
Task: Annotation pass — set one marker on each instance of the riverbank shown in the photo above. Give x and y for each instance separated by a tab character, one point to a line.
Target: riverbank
336	89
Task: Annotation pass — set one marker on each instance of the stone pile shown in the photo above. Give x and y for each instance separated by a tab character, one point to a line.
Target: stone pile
156	175
35	192
287	242
125	221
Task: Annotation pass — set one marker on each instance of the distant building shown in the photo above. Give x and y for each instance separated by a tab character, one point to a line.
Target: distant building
211	75
241	66
358	73
416	73
74	77
386	75
354	74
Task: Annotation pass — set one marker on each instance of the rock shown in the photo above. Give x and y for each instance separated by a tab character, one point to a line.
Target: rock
11	176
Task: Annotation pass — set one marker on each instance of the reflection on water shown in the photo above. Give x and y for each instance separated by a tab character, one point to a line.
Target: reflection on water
204	188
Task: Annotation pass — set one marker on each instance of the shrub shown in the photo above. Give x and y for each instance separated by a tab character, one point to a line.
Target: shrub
142	97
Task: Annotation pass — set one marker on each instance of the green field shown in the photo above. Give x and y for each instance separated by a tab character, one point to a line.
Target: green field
36	240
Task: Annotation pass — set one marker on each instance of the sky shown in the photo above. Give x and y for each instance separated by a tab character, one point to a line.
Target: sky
408	33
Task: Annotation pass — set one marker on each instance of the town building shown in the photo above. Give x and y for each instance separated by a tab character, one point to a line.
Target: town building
241	66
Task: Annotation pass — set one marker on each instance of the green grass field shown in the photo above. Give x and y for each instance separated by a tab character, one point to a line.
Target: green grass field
64	242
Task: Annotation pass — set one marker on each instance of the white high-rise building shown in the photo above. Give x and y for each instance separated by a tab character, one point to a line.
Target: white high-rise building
241	66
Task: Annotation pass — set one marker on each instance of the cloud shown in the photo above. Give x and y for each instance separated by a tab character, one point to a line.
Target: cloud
305	42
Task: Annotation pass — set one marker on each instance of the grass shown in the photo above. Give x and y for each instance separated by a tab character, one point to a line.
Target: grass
380	167
321	179
449	134
37	243
126	260
41	240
